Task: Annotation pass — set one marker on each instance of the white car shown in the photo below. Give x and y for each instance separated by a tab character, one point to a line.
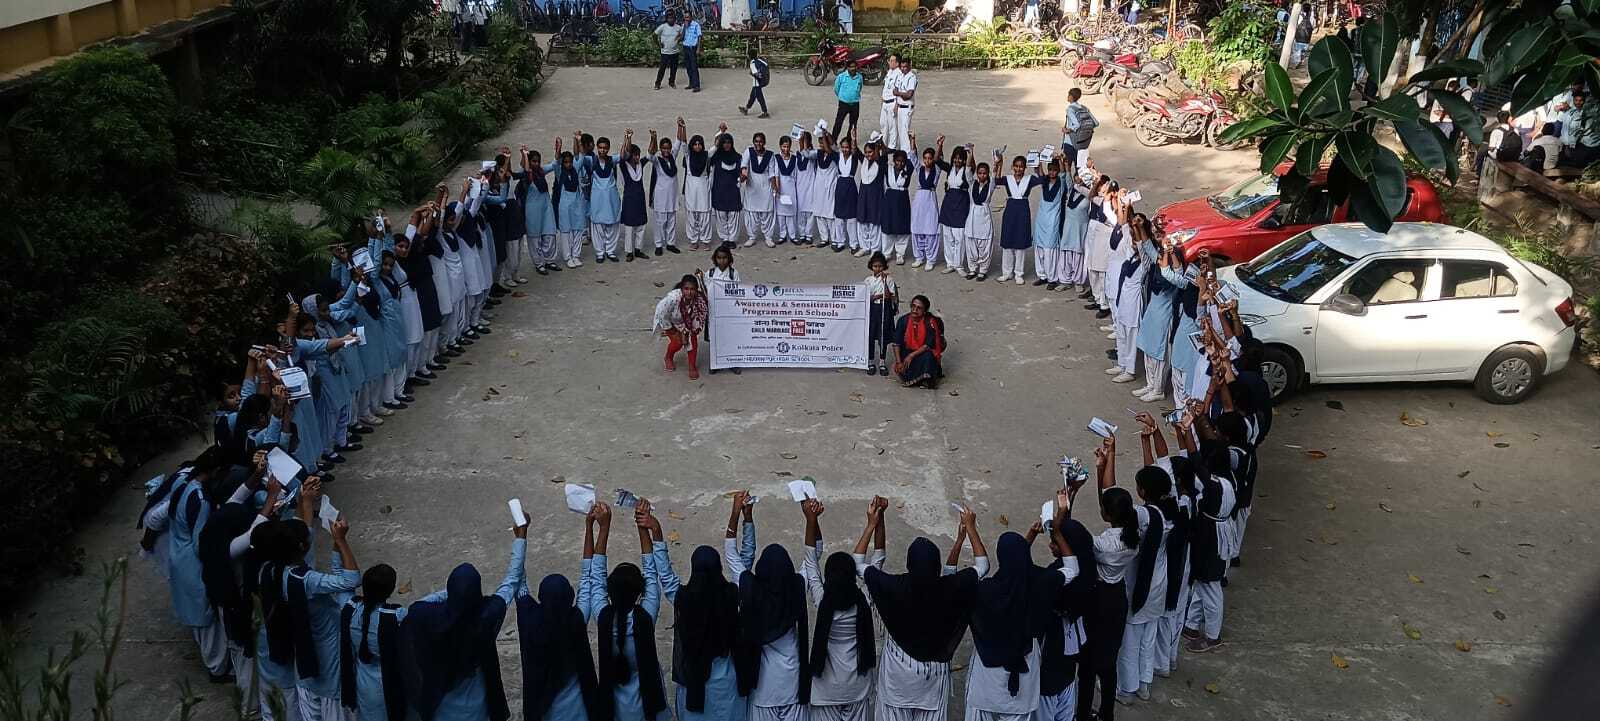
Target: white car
1424	302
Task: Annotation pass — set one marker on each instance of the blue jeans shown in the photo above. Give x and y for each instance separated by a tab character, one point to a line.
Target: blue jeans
691	65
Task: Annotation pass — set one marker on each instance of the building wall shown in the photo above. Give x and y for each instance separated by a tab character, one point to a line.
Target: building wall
34	31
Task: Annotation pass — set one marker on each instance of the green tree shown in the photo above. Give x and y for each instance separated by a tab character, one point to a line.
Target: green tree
1537	48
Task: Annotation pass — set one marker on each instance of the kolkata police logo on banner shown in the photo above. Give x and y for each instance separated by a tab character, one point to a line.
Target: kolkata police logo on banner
783	347
760	290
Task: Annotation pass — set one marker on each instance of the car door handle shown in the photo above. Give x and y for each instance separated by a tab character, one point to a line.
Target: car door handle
1416	317
1511	310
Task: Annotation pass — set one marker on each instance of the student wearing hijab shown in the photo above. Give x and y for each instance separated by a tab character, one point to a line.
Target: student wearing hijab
925	611
666	181
624	606
1009	623
393	292
337	376
371	683
229	568
705	634
538	212
448	648
187	509
297	652
844	648
774	645
697	183
1115	551
558	678
1065	637
727	201
1147	596
374	353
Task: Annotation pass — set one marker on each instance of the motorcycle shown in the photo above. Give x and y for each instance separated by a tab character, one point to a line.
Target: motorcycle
1094	67
1200	117
832	58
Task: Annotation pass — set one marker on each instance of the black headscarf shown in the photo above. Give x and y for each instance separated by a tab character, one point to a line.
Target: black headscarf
613	628
772	603
445	642
840	592
925	612
1075	600
726	155
216	570
1182	519
707	626
1014	606
1149	550
698	159
283	601
555	647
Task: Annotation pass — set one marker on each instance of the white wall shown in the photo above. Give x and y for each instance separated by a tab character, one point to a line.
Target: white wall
17	12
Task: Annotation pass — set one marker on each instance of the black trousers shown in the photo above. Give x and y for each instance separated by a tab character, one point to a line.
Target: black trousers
756	96
852	111
1099	661
691	64
668	61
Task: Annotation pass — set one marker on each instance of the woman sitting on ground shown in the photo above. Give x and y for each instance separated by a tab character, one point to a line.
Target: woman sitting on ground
918	343
680	316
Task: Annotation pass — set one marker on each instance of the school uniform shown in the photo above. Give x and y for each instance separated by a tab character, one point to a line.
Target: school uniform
605	206
1155	324
773	626
707	608
449	276
953	215
432	637
302	663
1114	563
846	201
1146	603
788	200
572	213
885	296
805	182
472	251
869	205
539	214
1097	248
1213	546
697	184
823	189
978	237
757	196
1047	230
665	175
504	219
1016	227
631	699
925	217
895	215
418	268
184	516
727	198
1169	626
372	683
1183	355
398	326
558	674
375	352
1009	625
1075	228
1065	650
336	374
844	636
634	213
925	611
1127	307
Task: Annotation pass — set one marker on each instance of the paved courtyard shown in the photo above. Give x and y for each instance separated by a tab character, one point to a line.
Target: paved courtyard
1365	571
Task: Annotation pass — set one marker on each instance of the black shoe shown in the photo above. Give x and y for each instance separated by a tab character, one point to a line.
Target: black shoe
612	257
465	341
1112	354
324	465
348	448
1091	306
737	371
454	352
1039	282
744	111
871	371
327	477
838	249
673	249
1233	563
438	364
484	330
497	290
1050	286
417	382
407	398
983	276
883	370
221	678
659	251
491	302
1102	313
713	371
1224	581
630	257
658	86
335	458
554	267
394	406
599	259
541	270
1086	294
361	430
694	90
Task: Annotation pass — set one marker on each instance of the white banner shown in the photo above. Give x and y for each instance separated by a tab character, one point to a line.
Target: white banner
761	325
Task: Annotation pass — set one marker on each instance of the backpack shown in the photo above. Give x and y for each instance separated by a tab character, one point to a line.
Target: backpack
1510	145
763	74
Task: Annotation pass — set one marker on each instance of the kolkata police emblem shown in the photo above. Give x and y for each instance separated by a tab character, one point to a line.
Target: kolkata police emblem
783	347
761	291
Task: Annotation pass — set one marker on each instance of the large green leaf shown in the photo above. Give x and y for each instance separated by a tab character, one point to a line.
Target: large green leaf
1388	181
1520	51
1368	210
1321	96
1340	180
1330	53
1451	155
1309	155
1462	113
1380	38
1420	143
1279	90
1398	106
1356	148
1275	148
1449	70
1248	128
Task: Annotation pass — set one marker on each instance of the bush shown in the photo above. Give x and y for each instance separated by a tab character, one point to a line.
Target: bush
457	118
627	46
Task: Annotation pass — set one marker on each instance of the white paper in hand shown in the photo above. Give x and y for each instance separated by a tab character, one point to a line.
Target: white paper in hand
1033	158
1101	428
1133	196
802	490
822	126
796	130
958	508
518	518
580	498
295	382
328	514
361	335
1047	512
282	466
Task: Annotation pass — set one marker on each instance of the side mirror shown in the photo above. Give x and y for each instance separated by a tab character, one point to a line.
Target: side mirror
1346	304
1271	222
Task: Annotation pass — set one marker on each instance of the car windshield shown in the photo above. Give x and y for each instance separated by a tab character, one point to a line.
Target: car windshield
1246	197
1294	269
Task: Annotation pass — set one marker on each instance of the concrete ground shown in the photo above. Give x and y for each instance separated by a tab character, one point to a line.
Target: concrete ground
1366	572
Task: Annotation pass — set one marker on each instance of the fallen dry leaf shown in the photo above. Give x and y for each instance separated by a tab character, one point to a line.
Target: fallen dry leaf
1463	646
788	456
1411	631
1411	421
674	515
857	397
954	393
1463	474
559	479
851	415
1213	689
1385	508
1491	590
660	284
1319	455
1414	578
1339	662
1332	506
1499	615
1494	434
1502	444
386	510
1501	700
673	537
1003	520
404	588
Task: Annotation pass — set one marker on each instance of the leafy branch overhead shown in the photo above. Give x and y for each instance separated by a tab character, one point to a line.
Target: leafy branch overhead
1537	53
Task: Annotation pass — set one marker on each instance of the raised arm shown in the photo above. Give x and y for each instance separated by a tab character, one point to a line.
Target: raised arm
812	509
980	554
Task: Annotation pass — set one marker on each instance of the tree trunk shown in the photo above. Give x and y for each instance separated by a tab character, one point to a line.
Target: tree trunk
1287	53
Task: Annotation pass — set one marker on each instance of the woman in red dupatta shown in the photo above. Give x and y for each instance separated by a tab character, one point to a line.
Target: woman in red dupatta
680	316
919	346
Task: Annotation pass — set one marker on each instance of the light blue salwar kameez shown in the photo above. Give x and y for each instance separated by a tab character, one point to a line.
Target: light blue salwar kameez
326	594
628	703
723	702
370	704
466	702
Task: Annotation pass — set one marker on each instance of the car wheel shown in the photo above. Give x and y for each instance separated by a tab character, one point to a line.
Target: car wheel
1509	376
1281	370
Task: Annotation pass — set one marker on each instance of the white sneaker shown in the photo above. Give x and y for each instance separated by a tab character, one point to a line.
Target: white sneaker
385	412
916	264
750	243
1108	328
1152	396
1142	391
1113	370
1123	378
947	268
1003	278
859	252
372	420
930	268
1111	336
1019	280
571	264
770	244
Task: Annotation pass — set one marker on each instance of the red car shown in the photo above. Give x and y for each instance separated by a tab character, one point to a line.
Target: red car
1245	220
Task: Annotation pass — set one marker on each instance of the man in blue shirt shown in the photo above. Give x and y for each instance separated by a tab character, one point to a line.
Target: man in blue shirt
847	88
691	51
